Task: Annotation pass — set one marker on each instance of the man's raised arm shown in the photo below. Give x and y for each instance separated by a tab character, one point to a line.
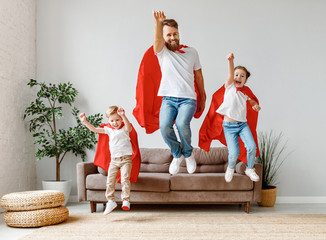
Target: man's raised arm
158	31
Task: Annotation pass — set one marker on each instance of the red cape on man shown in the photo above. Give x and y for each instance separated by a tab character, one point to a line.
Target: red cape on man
103	155
148	104
212	126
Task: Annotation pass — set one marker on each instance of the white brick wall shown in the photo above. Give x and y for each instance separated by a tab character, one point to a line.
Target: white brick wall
17	66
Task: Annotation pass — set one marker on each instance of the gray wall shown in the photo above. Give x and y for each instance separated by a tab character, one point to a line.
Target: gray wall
17	66
98	45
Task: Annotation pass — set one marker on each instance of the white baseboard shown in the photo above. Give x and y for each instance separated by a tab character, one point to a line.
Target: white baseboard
297	200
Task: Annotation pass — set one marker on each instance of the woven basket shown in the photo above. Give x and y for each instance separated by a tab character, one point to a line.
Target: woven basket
32	200
268	197
36	218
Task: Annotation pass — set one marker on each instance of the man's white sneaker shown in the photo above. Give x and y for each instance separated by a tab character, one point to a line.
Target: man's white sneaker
250	172
175	165
191	164
229	174
109	207
126	205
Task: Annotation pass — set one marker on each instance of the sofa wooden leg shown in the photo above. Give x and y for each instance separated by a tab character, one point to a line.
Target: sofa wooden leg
93	206
247	207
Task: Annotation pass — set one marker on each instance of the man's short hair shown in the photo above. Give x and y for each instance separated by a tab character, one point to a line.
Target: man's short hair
170	23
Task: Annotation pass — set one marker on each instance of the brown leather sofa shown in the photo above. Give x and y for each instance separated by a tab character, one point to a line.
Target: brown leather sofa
156	186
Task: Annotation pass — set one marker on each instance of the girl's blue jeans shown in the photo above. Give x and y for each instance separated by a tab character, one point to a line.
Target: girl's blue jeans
231	131
180	111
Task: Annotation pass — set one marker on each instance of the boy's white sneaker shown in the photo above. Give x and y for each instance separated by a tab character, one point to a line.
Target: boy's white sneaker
191	164
126	205
229	174
250	172
175	165
109	207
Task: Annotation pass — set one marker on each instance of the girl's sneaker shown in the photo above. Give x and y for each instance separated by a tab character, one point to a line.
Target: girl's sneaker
126	205
229	174
109	207
250	172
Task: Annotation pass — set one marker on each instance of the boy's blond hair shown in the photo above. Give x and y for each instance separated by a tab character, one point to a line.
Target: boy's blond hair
111	110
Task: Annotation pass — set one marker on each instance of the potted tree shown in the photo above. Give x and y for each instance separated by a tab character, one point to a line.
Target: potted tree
271	157
43	114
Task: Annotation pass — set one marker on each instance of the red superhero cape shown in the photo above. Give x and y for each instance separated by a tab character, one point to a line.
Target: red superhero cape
148	104
212	126
103	155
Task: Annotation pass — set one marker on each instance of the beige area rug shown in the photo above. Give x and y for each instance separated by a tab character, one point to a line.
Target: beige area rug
167	226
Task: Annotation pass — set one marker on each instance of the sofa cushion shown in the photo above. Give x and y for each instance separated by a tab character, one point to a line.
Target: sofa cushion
155	160
102	171
209	182
147	182
150	182
214	161
96	181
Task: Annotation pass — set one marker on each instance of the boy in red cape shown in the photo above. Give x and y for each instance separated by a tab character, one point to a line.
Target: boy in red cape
118	151
230	119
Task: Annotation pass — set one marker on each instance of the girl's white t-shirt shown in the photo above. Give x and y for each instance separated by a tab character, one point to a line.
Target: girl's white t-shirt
119	142
234	104
178	72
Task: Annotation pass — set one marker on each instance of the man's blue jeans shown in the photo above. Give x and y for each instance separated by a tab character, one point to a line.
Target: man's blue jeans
180	111
231	131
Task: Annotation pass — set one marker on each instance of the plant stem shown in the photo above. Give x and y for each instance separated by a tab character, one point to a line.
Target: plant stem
57	178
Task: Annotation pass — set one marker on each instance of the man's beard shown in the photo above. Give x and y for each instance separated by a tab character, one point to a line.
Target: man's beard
173	47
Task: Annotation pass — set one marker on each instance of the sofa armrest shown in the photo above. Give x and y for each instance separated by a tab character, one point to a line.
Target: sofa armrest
258	185
241	167
84	169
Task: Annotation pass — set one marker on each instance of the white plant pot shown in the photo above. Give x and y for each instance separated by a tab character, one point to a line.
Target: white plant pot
63	186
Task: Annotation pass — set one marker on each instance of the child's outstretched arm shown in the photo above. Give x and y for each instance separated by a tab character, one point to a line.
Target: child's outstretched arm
122	114
83	119
158	31
230	78
254	105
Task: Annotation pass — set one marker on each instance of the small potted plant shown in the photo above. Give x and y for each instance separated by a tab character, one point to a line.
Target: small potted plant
272	157
44	113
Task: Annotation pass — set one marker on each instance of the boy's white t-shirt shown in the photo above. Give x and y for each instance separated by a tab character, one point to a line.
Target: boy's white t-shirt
234	104
119	142
178	72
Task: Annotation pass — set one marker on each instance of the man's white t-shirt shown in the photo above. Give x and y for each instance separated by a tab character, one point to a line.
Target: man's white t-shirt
119	142
234	104
178	72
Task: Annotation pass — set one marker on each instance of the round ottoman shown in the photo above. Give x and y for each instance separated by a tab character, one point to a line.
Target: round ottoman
32	200
34	208
36	218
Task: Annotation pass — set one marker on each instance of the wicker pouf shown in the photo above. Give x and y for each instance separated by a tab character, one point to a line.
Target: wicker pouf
34	208
32	200
36	218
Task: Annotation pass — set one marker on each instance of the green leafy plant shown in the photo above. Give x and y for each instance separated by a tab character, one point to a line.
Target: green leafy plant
272	150
43	114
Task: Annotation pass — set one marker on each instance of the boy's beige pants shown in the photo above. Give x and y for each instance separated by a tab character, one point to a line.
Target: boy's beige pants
124	164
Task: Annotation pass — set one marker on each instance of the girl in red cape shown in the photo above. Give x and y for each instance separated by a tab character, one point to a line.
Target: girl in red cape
116	149
230	119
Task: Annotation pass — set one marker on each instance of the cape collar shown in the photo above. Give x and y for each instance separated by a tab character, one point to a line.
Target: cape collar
181	46
243	89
